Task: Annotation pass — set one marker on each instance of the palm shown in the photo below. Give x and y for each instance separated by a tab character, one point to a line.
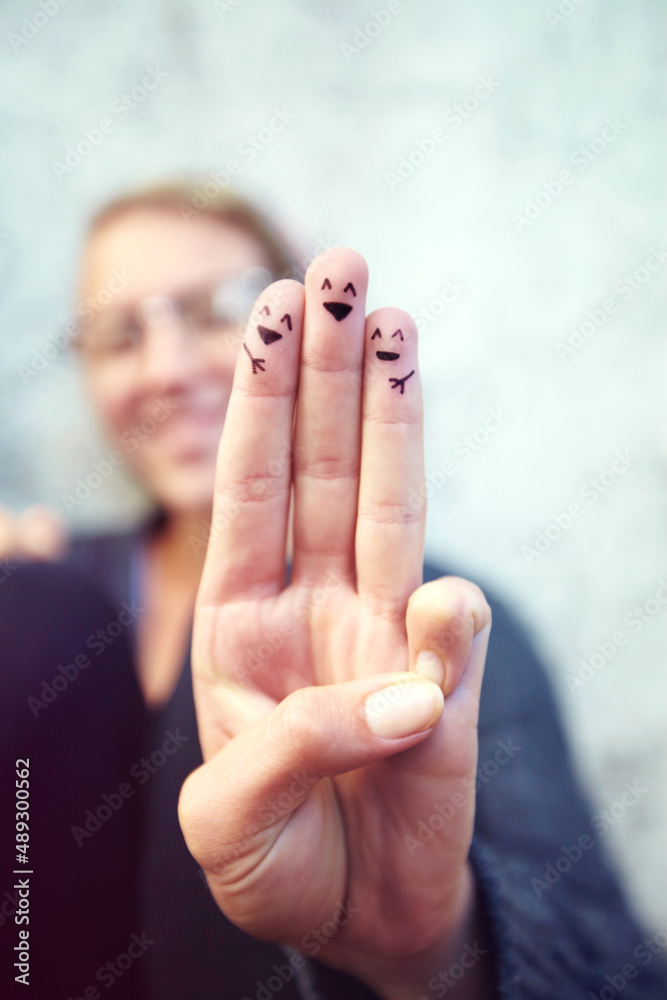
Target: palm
321	814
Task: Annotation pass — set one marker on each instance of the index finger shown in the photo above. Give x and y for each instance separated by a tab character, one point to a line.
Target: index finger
246	552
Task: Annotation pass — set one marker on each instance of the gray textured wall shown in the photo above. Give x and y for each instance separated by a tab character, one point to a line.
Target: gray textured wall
579	92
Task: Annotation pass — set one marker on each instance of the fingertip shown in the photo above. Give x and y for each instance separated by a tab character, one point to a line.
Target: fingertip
272	339
452	598
285	285
337	280
444	618
392	314
337	257
391	367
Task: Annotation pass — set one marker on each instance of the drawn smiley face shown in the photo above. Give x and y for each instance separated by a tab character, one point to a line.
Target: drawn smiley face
339	310
392	356
267	336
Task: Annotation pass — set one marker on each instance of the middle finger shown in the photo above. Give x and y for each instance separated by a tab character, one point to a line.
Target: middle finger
328	416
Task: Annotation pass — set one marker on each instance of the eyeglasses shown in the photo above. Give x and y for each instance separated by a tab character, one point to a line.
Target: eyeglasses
213	311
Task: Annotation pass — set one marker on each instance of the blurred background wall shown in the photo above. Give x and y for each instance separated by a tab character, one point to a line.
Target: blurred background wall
501	166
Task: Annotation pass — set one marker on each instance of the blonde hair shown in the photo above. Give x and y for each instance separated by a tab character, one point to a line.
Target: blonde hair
197	197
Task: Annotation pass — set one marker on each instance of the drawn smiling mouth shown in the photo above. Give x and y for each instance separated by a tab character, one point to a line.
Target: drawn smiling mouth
339	310
267	335
386	355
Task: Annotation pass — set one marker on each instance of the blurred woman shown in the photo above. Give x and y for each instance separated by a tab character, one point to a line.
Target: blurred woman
104	682
158	364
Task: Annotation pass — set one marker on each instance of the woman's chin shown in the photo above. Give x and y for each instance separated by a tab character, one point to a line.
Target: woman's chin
186	496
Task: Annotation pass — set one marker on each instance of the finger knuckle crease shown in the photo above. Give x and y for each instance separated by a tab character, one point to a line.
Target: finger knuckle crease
388	512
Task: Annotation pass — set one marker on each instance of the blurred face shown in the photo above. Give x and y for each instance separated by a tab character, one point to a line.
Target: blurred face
160	342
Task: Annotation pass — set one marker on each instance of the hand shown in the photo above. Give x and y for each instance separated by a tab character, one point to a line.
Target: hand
36	533
334	712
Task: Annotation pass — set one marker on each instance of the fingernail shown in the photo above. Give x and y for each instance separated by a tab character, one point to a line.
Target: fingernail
430	665
403	709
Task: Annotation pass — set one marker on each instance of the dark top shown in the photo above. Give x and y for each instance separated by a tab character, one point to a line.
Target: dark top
116	901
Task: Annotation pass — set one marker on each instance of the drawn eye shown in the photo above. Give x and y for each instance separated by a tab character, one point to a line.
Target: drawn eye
350	287
265	310
326	284
377	334
287	319
397	334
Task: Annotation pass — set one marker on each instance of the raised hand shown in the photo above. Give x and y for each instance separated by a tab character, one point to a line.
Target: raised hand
338	710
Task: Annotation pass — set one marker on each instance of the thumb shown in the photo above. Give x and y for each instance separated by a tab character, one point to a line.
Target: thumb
266	772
